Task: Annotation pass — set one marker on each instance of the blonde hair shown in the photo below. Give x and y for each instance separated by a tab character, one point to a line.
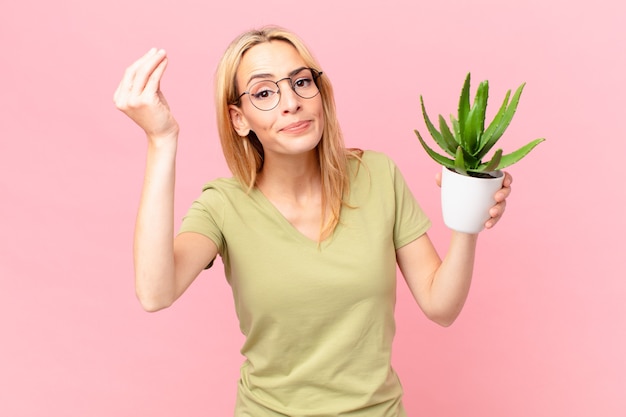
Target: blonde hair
244	155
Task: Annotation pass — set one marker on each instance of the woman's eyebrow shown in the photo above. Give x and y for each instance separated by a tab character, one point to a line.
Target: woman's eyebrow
271	76
255	76
297	70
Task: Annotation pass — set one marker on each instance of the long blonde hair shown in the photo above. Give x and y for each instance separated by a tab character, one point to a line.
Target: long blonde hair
244	155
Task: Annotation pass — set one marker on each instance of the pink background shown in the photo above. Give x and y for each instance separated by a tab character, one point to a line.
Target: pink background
543	332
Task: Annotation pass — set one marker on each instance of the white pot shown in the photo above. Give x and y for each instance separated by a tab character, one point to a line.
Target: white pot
465	201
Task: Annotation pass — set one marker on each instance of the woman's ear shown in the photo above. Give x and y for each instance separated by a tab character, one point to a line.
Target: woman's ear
240	124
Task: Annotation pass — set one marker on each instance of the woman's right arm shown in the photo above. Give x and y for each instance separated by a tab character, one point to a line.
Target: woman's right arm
164	266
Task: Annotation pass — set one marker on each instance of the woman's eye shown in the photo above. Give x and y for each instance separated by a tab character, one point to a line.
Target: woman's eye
263	94
302	82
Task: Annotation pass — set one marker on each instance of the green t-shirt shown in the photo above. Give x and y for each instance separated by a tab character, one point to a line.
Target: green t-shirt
318	319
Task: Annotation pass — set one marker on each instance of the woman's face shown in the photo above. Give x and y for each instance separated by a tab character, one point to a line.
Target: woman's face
295	125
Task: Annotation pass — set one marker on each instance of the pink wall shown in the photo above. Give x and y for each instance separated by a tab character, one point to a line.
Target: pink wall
543	332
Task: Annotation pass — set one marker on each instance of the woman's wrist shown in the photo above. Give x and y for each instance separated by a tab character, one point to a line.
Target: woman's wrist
465	237
163	142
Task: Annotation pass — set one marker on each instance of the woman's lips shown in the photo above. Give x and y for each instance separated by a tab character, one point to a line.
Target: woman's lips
296	127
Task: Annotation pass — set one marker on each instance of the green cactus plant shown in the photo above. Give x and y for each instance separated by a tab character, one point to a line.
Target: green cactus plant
468	142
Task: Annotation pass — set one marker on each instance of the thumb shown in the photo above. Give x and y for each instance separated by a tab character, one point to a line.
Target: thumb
438	178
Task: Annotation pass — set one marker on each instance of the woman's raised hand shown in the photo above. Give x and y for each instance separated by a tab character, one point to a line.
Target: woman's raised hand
139	96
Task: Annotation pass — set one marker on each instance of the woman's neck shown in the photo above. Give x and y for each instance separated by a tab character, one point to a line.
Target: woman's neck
295	178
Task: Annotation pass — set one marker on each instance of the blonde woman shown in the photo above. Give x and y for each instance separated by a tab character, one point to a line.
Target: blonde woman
309	233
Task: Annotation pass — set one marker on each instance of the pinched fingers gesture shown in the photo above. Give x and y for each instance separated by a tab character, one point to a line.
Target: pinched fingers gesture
139	95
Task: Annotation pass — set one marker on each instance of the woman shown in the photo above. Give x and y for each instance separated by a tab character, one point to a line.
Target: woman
309	233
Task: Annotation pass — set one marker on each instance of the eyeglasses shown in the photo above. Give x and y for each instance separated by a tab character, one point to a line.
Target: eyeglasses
265	95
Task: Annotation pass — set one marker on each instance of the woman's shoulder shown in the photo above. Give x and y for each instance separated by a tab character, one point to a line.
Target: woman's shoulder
376	156
223	184
374	160
221	191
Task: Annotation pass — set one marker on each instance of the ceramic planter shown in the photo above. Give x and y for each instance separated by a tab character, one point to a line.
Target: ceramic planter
465	201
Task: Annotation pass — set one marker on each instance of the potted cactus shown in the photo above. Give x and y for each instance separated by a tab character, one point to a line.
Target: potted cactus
469	179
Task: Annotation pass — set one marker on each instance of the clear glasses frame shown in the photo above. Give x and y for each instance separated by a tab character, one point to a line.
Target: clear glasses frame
265	98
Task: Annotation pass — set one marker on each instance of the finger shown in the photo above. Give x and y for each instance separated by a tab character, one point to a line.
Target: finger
497	210
508	179
126	83
154	81
496	213
502	194
438	178
145	69
131	71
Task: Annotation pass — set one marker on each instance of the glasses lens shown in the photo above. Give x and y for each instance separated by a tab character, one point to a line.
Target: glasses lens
264	95
304	84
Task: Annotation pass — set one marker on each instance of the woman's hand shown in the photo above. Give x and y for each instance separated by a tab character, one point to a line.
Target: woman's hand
497	210
139	96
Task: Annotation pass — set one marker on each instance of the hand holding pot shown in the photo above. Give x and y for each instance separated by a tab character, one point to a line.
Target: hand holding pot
459	206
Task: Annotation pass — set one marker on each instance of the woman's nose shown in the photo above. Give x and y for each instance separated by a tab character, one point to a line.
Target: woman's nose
289	100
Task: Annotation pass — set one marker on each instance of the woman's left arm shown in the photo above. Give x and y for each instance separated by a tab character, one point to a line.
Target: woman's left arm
441	287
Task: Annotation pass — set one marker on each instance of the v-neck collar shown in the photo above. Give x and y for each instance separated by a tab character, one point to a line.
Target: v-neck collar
262	199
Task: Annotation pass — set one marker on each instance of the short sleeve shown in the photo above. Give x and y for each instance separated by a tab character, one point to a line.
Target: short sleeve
410	220
206	216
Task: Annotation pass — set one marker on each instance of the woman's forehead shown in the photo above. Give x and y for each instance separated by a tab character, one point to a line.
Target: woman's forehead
271	59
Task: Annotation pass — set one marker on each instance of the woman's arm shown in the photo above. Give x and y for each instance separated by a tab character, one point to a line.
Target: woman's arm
441	287
163	268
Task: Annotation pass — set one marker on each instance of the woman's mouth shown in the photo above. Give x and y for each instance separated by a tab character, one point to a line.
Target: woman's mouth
296	127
